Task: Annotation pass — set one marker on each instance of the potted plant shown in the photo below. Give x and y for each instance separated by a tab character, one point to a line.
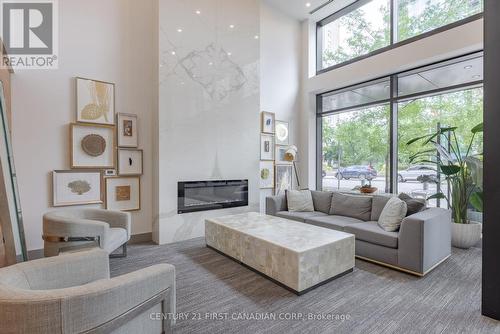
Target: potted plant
463	170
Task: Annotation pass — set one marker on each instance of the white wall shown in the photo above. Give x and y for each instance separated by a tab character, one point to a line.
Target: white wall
208	114
451	43
280	72
112	40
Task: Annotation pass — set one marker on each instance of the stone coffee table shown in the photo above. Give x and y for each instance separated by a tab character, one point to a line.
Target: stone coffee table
295	255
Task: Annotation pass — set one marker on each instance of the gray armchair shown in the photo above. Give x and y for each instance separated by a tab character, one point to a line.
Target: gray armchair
69	229
73	293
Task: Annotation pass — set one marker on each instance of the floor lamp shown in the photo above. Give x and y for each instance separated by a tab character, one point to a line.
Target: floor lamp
291	156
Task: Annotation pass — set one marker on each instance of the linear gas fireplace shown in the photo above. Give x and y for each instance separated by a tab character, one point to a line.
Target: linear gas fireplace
211	195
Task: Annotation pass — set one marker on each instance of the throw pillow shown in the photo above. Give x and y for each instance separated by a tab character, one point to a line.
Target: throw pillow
392	215
354	206
378	204
322	201
299	201
414	205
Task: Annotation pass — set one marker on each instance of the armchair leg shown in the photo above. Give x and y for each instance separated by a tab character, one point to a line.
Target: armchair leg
122	254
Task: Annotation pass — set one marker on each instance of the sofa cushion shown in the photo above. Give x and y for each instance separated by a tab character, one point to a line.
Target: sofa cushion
322	201
392	215
332	222
299	216
299	201
414	205
353	206
371	232
378	204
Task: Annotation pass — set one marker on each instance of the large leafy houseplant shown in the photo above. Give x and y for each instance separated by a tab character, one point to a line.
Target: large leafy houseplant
461	168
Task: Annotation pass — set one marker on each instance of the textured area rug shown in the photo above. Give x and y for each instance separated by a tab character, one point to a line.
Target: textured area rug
217	295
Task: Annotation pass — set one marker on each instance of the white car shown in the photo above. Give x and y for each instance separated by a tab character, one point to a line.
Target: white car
415	171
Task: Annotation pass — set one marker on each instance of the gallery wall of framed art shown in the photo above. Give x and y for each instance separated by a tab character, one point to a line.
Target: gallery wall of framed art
105	160
275	172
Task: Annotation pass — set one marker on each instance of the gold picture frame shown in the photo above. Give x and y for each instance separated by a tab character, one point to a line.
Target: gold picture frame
132	140
121	167
267	122
57	202
107	193
263	165
282	171
112	146
96	110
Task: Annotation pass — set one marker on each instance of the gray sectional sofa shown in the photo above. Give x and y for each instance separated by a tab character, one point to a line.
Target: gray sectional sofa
422	242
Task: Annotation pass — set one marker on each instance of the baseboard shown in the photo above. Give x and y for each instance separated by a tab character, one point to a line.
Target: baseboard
141	238
32	255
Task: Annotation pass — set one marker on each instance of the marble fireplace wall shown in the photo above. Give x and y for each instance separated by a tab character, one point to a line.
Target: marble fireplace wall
208	112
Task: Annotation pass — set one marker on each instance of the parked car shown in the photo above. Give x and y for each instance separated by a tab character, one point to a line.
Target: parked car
356	172
413	173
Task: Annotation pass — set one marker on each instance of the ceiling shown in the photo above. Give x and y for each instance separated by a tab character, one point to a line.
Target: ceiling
297	8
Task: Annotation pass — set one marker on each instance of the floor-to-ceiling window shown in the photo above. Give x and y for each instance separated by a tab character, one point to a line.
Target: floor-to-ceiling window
355	125
369	26
462	109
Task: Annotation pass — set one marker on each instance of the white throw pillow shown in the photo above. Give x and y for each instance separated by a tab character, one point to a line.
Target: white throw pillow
299	201
392	214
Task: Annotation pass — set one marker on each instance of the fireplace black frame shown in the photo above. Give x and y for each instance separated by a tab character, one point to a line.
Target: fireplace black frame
181	186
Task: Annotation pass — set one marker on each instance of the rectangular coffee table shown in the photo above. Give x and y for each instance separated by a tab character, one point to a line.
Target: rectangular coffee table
296	255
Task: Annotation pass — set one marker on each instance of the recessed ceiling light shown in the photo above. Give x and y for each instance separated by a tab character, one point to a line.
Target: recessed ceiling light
198	12
229	54
477	76
179	29
210	64
468	67
256	36
308	4
173	53
231	26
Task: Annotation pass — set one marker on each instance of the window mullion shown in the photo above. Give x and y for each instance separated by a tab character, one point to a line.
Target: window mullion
394	21
393	141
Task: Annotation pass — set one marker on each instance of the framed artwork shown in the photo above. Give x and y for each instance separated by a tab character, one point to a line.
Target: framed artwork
282	133
267	122
95	101
283	177
71	187
126	125
129	161
123	193
92	146
266	176
280	155
266	147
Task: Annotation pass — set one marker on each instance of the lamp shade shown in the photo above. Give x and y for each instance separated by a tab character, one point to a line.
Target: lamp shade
291	153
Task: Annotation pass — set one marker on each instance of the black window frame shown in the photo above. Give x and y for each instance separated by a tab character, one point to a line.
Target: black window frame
393	102
393	34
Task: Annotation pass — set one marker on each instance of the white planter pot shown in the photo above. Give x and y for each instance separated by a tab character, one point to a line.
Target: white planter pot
465	235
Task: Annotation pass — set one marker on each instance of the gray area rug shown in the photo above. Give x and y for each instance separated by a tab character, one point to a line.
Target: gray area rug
220	296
